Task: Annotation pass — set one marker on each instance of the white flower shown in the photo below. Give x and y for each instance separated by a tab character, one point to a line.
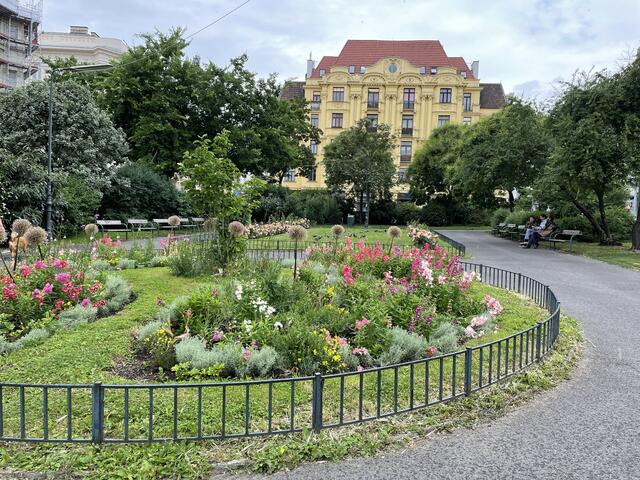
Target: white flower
247	326
239	292
277	325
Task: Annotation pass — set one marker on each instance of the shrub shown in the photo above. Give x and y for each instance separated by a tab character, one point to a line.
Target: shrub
403	347
578	222
407	212
263	362
620	223
158	261
126	264
194	352
319	206
521	217
434	215
78	204
117	293
445	337
499	216
34	336
148	329
74	316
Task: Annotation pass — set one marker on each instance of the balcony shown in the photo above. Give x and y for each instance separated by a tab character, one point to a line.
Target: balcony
315	105
405	158
373	105
408	105
407	131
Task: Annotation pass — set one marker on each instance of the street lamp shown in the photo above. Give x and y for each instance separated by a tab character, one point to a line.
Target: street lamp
75	68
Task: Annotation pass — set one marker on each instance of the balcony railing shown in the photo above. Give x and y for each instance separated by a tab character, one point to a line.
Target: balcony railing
315	105
407	131
407	105
373	105
405	158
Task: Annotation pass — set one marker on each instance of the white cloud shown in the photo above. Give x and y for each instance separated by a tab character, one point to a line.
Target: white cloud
525	44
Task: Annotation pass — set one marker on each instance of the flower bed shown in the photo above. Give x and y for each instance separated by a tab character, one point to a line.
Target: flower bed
256	230
40	297
350	308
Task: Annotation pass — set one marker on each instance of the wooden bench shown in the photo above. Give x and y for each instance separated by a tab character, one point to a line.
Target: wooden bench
107	226
187	223
518	232
198	221
564	236
506	230
141	224
163	224
497	228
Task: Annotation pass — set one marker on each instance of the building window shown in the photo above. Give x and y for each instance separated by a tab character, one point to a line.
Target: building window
445	95
322	72
314	147
315	119
409	98
466	120
352	69
373	118
405	152
336	120
363	69
315	101
373	98
434	70
338	94
290	176
443	120
407	125
312	175
464	74
466	102
423	70
402	174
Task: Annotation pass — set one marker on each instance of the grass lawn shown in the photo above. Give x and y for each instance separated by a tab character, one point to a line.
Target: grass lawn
616	255
80	238
86	354
375	233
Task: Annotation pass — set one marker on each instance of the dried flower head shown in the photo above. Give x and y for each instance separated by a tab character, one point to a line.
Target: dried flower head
20	226
174	220
209	224
91	229
337	230
394	232
3	232
36	236
297	233
236	229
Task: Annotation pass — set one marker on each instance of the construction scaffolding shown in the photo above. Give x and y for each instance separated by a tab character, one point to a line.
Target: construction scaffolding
20	22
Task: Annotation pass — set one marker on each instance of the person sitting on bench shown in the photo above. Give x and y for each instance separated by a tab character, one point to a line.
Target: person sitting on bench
529	226
543	230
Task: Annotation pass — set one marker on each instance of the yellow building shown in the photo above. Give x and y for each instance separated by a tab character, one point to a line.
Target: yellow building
412	86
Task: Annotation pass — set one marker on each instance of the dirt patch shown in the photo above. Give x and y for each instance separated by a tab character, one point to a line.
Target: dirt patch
136	368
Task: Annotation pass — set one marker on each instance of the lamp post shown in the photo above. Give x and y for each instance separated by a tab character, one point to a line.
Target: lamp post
49	204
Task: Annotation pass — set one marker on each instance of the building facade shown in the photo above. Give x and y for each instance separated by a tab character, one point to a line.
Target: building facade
19	41
85	46
412	86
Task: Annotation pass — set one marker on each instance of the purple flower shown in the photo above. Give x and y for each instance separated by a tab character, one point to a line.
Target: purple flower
48	288
63	277
86	303
217	336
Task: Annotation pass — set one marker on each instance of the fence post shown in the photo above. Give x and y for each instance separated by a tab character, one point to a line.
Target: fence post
97	413
316	403
538	339
278	245
519	282
468	356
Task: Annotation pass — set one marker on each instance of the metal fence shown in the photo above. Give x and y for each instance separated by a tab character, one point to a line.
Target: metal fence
195	411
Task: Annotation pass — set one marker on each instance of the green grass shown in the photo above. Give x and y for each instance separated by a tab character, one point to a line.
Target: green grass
615	255
375	233
85	355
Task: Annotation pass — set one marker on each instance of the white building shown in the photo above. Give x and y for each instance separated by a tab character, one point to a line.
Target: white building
85	46
19	24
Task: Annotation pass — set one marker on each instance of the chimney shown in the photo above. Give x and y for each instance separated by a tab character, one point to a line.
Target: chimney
310	65
475	69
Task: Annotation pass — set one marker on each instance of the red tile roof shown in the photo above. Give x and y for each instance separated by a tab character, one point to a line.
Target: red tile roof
427	53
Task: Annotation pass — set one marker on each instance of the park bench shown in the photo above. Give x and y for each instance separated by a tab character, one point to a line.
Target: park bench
497	228
187	223
564	236
506	230
518	233
141	224
198	221
163	224
107	226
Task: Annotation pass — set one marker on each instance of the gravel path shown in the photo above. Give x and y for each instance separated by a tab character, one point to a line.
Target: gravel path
588	427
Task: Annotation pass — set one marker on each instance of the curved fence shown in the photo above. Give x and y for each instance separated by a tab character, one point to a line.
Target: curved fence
194	411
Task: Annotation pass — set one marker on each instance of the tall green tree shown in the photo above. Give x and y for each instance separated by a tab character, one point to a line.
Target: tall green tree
359	163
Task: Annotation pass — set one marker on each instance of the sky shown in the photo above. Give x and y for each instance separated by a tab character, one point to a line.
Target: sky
531	46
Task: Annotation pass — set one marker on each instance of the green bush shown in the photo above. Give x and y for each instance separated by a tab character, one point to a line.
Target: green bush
263	362
445	337
434	214
77	315
34	336
620	223
403	347
578	222
499	216
77	204
319	206
117	293
520	217
407	212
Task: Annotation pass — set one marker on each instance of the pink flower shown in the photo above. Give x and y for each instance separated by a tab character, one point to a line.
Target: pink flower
246	354
478	321
10	292
362	323
493	305
48	288
347	274
63	277
25	271
57	263
442	279
360	351
217	336
35	293
360	368
160	302
431	351
85	303
470	332
40	265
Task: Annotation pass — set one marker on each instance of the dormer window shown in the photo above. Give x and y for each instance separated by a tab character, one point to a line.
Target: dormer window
434	70
464	74
362	69
423	70
352	69
322	72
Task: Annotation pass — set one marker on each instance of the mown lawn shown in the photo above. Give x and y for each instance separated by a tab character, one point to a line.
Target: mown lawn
86	354
375	233
616	255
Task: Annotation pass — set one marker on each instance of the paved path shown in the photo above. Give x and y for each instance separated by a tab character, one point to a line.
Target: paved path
588	427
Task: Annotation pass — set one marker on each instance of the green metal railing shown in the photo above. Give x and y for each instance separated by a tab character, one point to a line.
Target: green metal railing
98	413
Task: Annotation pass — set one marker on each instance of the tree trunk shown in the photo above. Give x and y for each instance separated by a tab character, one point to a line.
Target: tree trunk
512	201
635	232
592	220
360	208
607	240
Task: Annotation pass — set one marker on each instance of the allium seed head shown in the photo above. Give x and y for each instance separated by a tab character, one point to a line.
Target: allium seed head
36	236
20	226
297	233
236	229
174	220
209	225
337	230
394	232
91	229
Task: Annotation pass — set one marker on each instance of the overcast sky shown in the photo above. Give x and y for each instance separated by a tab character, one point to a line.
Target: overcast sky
525	44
